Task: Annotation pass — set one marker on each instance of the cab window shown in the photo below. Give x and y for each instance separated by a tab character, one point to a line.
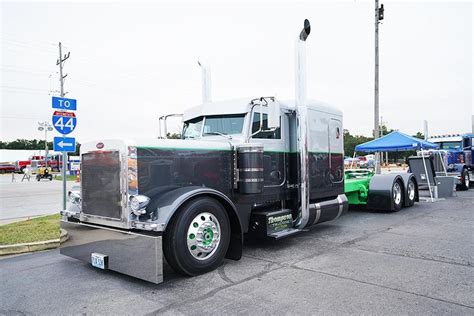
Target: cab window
273	134
192	128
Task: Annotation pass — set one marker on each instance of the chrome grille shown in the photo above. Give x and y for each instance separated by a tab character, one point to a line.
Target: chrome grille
100	184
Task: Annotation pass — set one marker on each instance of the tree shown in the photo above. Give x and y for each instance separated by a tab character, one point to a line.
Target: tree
419	135
350	142
32	144
173	136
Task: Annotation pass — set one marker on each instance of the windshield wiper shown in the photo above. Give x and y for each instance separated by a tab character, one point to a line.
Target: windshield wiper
218	133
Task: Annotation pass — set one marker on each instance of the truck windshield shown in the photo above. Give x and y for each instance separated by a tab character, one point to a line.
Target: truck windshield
227	125
214	125
450	145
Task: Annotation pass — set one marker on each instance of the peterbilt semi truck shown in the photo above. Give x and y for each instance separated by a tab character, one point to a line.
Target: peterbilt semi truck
458	157
249	168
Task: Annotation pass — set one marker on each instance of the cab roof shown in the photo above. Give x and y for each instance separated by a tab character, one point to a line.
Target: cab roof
242	106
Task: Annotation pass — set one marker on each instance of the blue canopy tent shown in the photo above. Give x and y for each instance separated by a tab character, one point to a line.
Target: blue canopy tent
397	141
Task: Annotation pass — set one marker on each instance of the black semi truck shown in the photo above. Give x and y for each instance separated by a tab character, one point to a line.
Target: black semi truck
250	168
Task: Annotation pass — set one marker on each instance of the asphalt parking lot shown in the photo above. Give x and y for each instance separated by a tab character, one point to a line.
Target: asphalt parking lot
20	200
417	261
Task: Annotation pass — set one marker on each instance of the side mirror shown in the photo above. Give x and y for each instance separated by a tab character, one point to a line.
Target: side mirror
273	115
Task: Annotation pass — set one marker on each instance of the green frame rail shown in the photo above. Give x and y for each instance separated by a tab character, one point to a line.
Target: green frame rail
356	185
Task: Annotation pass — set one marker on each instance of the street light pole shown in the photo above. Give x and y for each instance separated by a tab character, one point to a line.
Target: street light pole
47	128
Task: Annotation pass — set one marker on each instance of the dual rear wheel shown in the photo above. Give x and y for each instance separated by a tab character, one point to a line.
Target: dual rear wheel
398	196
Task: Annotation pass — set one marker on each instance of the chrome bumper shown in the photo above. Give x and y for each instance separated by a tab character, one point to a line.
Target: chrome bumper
130	253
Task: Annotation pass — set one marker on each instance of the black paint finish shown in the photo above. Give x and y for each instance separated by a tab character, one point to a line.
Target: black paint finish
325	176
163	168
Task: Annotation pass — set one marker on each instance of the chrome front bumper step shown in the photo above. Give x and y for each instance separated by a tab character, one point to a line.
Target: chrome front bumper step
130	253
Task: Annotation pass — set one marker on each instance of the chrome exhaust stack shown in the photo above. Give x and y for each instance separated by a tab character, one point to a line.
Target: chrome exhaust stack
206	81
302	115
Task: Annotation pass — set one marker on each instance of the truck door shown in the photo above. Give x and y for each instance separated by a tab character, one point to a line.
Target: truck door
276	148
336	150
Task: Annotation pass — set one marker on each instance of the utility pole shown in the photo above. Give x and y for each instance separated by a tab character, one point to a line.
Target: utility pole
60	63
379	15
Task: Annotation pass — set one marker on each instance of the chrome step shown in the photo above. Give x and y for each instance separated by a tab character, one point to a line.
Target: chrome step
284	233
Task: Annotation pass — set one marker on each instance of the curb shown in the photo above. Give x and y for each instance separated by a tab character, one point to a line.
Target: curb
34	246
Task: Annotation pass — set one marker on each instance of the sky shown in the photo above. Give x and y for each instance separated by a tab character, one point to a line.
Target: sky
131	62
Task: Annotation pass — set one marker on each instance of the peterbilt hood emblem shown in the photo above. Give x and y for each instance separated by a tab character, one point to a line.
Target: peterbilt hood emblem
99	145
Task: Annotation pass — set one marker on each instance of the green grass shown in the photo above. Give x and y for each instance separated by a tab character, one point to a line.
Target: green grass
36	229
68	177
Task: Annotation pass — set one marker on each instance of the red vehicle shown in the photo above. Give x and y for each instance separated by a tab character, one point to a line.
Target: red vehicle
20	165
6	167
54	161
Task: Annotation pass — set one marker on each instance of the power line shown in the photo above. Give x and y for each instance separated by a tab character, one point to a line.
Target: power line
21	88
48	47
25	71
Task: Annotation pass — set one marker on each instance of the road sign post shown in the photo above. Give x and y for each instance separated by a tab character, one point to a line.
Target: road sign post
64	122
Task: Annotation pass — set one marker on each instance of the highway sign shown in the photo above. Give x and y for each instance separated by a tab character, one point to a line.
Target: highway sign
64	122
64	104
66	144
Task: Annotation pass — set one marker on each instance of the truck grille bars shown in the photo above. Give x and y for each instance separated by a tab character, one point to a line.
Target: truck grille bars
101	184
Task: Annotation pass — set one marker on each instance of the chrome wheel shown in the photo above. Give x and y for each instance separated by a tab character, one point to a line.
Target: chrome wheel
397	193
411	190
203	237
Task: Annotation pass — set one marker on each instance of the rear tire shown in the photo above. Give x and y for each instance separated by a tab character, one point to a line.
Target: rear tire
411	192
464	185
397	196
197	237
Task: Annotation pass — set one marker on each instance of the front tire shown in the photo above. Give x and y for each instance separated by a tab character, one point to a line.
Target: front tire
464	185
197	237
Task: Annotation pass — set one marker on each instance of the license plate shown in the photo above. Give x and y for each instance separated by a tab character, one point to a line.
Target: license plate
99	260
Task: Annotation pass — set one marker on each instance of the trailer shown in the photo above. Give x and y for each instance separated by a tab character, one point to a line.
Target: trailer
249	168
386	192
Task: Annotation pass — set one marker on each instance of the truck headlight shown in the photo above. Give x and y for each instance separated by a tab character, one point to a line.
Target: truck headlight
138	204
75	197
